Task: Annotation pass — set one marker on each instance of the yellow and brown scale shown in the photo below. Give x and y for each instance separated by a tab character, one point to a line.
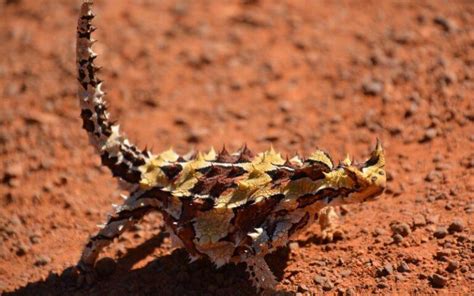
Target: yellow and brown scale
228	207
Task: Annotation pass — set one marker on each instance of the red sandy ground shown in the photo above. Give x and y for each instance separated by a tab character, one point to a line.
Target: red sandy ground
196	74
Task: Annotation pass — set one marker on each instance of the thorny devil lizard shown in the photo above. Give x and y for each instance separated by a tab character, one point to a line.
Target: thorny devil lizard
227	207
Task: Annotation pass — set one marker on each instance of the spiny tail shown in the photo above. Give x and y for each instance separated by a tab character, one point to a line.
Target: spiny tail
121	157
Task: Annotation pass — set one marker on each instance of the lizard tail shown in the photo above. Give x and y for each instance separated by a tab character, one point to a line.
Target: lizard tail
117	153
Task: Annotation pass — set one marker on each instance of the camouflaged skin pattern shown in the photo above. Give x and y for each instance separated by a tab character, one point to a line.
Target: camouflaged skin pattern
226	207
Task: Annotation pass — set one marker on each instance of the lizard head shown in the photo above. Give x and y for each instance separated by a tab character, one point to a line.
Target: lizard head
360	182
369	177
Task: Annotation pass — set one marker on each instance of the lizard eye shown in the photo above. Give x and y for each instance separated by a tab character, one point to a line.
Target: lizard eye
373	179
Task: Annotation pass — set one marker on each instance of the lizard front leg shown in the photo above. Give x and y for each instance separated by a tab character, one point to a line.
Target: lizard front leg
133	210
329	222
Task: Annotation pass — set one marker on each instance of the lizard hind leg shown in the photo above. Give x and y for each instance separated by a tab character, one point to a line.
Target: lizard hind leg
260	274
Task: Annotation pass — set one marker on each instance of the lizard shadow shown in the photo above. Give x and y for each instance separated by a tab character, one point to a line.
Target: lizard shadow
166	275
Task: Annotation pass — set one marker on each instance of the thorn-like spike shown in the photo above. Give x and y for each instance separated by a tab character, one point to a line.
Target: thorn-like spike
245	154
377	157
378	145
211	155
347	161
224	156
224	150
272	150
124	196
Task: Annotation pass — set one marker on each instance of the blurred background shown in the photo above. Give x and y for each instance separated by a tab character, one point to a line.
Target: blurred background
198	74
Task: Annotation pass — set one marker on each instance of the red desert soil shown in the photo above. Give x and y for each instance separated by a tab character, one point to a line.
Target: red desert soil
195	74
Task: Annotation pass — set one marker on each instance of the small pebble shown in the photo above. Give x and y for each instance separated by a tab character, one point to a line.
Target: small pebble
372	87
378	231
446	24
452	266
433	176
432	219
387	269
397	238
22	249
399	277
350	292
438	281
419	220
345	272
294	246
456	226
324	282
440	232
429	135
319	280
34	238
401	228
344	210
14	170
382	285
42	260
302	288
328	285
442	255
403	267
